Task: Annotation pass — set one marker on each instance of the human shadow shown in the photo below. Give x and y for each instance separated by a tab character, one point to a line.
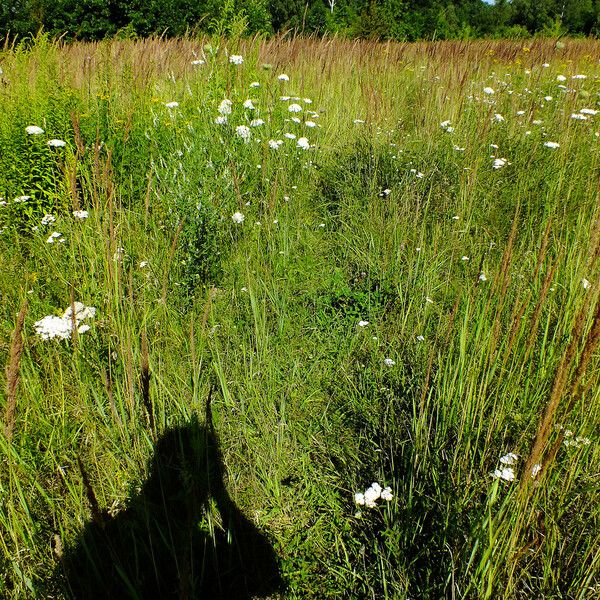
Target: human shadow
166	544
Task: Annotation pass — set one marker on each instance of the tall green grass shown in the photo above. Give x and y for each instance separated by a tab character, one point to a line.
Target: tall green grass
266	311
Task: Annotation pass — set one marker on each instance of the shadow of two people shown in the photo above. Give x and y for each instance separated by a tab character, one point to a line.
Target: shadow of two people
156	547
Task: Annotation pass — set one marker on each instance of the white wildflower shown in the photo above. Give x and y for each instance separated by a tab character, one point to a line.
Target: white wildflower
386	494
172	104
371	495
552	145
248	104
283	77
34	130
509	459
237	217
585	283
236	59
488	90
56	143
295	108
561	78
363	323
274	144
498	118
221	120
388	362
244	132
81	214
507	474
359	498
256	122
51	327
303	143
55	236
225	107
255	84
535	470
579	117
48	219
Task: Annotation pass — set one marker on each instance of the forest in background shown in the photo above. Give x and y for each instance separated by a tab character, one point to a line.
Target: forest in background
402	20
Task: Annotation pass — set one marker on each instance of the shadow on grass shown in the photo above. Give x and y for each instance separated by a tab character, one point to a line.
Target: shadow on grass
164	545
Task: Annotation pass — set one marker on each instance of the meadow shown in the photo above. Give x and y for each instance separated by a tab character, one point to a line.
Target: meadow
381	263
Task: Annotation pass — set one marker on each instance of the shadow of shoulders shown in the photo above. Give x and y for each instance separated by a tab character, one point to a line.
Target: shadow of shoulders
166	543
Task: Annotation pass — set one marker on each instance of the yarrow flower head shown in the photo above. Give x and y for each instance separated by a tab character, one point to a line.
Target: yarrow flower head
55	236
81	214
34	130
172	104
244	132
225	107
509	459
283	77
506	474
488	90
373	493
294	108
236	59
248	104
52	326
56	143
303	143
274	144
221	120
238	218
499	163
552	145
388	362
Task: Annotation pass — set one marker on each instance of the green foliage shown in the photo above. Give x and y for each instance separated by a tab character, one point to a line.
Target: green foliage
474	282
388	19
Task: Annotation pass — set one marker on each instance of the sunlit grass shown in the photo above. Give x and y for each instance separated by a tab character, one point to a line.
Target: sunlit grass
248	269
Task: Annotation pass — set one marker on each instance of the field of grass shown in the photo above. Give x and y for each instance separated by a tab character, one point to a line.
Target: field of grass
409	295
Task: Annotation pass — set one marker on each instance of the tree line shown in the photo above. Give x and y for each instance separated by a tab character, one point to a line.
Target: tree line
375	19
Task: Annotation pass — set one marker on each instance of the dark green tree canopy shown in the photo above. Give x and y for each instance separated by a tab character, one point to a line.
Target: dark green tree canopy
378	19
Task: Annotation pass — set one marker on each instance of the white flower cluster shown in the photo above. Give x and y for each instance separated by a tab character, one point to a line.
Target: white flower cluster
51	326
506	472
447	127
373	493
570	439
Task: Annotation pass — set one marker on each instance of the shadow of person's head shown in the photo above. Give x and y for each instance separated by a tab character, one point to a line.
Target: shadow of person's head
168	543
